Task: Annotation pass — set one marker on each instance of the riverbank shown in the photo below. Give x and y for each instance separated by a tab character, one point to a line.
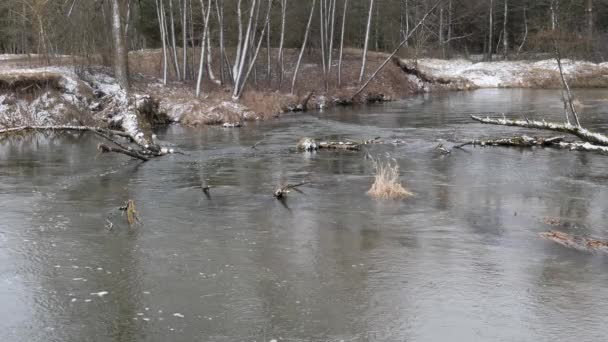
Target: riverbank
63	90
43	91
513	74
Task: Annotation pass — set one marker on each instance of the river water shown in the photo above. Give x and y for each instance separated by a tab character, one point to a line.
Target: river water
462	260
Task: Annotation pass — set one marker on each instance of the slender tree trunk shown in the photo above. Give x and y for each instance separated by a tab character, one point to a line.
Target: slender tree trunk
322	30
344	11
173	42
185	39
282	42
239	45
589	11
365	45
256	52
121	57
523	41
210	57
246	42
295	73
441	29
332	26
554	8
268	59
505	31
201	66
163	38
448	42
219	7
491	31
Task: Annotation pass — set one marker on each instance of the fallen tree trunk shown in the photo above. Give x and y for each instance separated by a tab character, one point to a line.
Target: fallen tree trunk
582	133
143	153
521	141
339	145
526	141
65	128
577	242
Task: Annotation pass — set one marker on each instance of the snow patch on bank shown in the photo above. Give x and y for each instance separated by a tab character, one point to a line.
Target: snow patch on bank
509	74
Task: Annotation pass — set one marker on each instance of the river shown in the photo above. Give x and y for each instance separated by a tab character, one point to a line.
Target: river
461	260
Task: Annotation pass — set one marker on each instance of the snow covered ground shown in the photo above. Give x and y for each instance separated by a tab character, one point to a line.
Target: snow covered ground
513	74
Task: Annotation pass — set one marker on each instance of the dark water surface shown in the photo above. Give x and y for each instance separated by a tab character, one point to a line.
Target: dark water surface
460	261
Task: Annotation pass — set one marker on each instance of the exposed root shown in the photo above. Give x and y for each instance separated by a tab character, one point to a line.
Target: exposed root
387	185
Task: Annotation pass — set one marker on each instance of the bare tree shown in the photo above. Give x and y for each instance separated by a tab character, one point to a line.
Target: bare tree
369	23
295	73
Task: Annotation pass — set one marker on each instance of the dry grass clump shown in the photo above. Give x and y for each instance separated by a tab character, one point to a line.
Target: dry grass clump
387	185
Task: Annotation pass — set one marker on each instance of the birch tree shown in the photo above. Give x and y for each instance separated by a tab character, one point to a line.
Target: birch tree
344	10
295	73
365	46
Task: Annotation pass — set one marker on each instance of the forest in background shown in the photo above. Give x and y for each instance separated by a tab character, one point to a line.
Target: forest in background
457	27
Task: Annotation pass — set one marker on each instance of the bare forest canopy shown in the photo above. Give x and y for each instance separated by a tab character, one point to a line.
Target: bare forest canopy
455	28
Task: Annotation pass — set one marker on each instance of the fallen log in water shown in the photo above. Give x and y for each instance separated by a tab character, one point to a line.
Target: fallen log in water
339	145
522	141
577	242
527	141
105	149
580	132
143	153
64	128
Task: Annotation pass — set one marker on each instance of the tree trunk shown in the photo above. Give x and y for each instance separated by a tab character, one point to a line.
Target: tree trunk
239	43
505	31
554	8
282	42
332	26
342	43
589	11
441	39
185	39
295	73
491	31
257	51
201	66
244	50
219	7
362	88
121	57
173	42
523	41
365	45
161	22
322	30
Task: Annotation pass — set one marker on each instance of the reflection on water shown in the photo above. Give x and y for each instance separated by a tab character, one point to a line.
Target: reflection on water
460	261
